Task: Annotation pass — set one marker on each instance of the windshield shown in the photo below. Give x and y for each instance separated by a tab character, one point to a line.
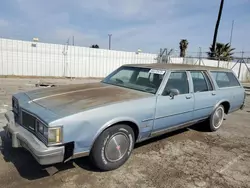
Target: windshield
137	78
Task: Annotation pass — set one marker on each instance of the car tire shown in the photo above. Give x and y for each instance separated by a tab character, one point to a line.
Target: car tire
216	119
113	147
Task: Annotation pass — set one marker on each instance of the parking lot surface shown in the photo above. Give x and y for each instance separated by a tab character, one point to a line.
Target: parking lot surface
187	158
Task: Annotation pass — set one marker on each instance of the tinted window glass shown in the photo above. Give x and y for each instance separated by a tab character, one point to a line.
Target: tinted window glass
201	81
143	74
233	80
123	75
137	78
179	81
225	79
209	84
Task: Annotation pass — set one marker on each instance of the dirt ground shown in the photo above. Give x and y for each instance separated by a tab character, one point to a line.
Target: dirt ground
187	158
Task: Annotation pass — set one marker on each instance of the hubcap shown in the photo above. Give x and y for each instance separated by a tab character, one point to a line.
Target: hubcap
218	118
116	147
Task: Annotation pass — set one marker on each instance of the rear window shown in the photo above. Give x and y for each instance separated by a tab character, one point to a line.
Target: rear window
225	79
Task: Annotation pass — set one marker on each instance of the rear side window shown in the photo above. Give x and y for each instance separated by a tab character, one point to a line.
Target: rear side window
225	79
200	81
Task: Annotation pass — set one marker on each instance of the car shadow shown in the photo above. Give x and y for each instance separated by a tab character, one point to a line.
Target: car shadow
28	167
200	127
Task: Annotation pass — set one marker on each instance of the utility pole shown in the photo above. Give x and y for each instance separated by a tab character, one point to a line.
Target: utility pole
200	54
217	26
110	35
231	36
241	61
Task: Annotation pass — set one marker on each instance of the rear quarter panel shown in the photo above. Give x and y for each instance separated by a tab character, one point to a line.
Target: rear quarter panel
234	95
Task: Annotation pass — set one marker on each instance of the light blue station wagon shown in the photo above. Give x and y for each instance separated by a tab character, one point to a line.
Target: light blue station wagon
104	120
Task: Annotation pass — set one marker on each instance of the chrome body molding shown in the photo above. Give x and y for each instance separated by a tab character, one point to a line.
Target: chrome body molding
177	127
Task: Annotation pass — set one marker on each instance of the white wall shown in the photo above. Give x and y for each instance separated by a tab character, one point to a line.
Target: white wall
20	58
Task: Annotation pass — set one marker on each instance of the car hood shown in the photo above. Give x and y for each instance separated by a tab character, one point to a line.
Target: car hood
70	99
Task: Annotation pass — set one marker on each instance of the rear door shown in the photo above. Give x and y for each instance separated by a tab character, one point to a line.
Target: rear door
204	94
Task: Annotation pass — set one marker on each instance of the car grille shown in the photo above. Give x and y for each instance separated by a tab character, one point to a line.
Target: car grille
28	121
15	105
15	108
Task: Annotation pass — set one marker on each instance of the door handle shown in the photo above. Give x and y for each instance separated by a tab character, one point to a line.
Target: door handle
188	97
213	93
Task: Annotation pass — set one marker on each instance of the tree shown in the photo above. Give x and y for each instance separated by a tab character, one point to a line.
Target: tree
217	25
94	46
222	52
183	47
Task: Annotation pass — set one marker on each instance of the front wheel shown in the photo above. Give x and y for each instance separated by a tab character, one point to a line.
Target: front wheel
216	118
113	147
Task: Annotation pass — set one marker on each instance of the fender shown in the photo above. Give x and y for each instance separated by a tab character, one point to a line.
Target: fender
112	122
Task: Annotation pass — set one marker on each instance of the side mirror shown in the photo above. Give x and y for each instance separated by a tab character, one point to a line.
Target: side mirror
173	92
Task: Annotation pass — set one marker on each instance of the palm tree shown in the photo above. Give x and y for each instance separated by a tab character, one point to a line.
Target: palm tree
217	25
183	47
223	52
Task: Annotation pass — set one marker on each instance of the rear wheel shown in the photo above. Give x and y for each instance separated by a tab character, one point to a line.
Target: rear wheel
113	147
216	118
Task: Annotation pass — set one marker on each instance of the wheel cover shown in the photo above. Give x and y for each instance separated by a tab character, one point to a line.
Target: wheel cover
218	117
116	147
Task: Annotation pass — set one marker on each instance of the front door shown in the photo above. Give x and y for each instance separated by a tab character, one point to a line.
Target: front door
177	110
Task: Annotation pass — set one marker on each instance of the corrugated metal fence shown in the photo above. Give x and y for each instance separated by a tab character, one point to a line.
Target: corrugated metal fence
242	72
43	59
25	58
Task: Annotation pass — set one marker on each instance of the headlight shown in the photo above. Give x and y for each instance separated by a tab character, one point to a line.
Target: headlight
54	135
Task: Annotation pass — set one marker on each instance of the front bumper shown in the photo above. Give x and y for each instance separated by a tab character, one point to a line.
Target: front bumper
23	138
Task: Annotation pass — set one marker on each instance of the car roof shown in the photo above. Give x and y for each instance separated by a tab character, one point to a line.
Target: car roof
169	66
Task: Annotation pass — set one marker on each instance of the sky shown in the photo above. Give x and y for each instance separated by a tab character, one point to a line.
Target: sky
145	24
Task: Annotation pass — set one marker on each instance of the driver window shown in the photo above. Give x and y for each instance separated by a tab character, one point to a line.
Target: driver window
179	81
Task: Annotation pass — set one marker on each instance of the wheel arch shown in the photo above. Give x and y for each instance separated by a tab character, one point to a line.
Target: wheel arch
127	121
225	104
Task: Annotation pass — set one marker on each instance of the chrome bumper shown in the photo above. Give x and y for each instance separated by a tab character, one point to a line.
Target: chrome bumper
22	138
